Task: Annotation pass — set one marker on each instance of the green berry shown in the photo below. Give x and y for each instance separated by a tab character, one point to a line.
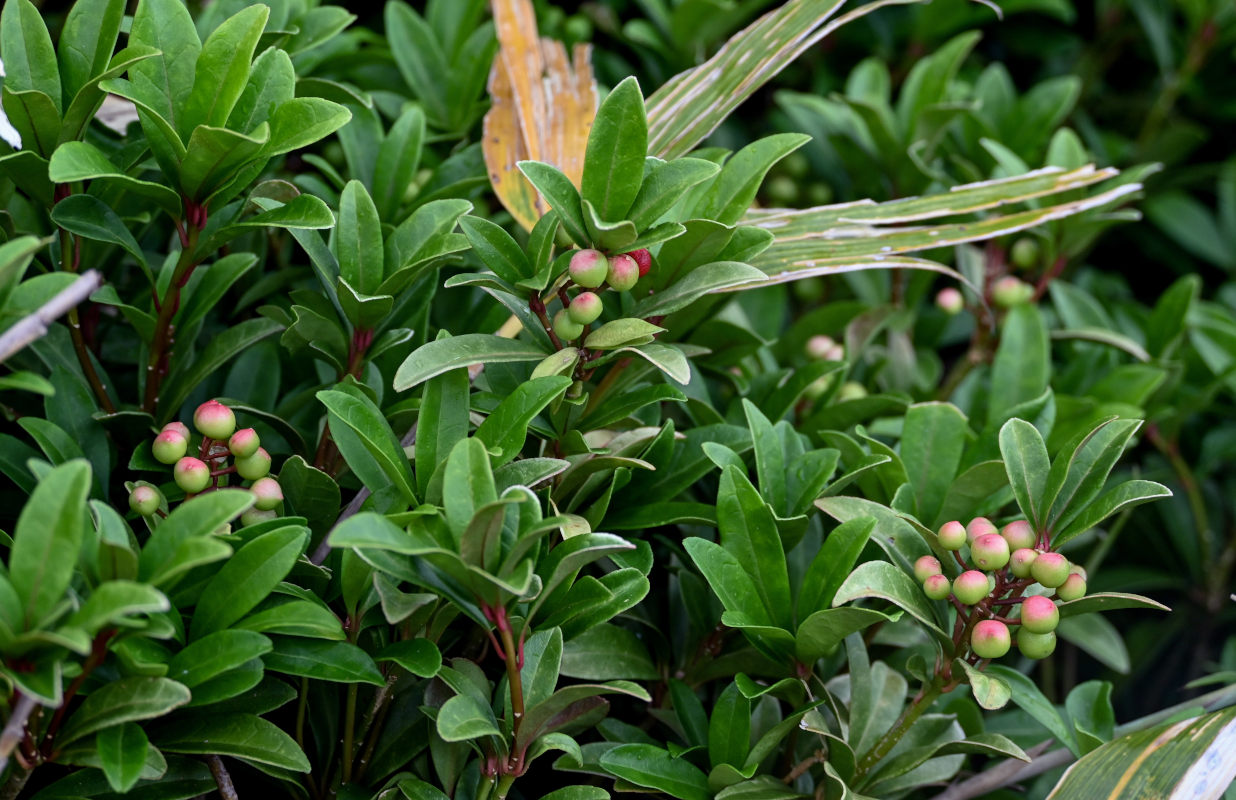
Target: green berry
588	268
1036	645
781	190
952	535
1073	588
1019	534
990	551
1050	569
191	474
169	446
1024	253
268	493
566	328
971	587
214	420
585	308
1039	614
145	500
254	466
937	587
255	515
244	443
851	390
1020	562
1009	291
927	566
623	273
990	639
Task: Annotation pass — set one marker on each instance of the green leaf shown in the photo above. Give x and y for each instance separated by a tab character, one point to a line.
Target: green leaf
729	728
86	44
238	735
27	382
819	634
340	662
665	185
505	430
222	69
561	196
29	60
749	533
932	440
881	579
113	602
606	652
990	691
82	161
215	654
832	565
617	145
622	332
358	415
247	578
220	350
1029	698
652	767
441	355
496	249
195	519
606	235
542	662
301	122
88	216
397	160
1022	365
123	700
463	717
46	539
1107	601
1074	482
1025	460
1121	497
733	191
295	618
728	579
358	239
418	656
442	422
166	26
1090	708
122	754
698	282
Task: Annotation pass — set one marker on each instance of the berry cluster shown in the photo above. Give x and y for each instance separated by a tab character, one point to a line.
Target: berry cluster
1003	566
591	269
208	470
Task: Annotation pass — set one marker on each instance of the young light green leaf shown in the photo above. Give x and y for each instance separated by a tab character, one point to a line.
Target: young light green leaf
1027	465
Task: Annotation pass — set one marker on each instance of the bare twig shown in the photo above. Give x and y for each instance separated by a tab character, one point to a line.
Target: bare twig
34	327
222	779
15	728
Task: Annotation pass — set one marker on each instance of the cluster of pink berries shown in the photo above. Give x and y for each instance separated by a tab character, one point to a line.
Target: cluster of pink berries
1004	564
591	269
195	474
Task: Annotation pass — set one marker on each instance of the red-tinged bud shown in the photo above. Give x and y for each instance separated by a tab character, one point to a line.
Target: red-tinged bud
145	500
268	493
214	420
979	526
643	259
971	587
950	301
952	535
623	273
169	446
585	308
1039	614
819	347
191	474
566	328
1036	645
990	639
1020	562
255	466
1019	534
990	551
937	587
179	427
1050	569
588	268
244	443
254	516
926	566
1073	588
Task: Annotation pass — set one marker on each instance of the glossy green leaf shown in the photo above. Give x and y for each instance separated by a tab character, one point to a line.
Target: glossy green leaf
505	430
123	700
617	145
222	69
882	580
654	768
51	525
441	355
214	654
238	735
122	755
463	717
247	578
340	662
358	239
357	414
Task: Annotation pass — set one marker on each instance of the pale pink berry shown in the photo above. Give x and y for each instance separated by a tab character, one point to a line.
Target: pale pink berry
1039	614
169	446
214	420
950	301
623	273
588	268
268	492
990	639
244	443
191	474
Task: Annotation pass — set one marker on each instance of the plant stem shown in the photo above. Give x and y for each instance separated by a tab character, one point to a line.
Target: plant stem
15	728
15	783
161	345
222	779
512	670
504	786
922	701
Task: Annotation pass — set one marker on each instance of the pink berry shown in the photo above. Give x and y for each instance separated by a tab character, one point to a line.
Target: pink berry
644	259
979	526
623	273
588	268
1073	588
1020	562
145	500
926	566
990	639
1039	614
268	493
1019	533
990	551
1050	569
937	587
585	308
179	427
952	535
169	446
819	346
950	301
214	420
971	587
255	466
244	443
191	474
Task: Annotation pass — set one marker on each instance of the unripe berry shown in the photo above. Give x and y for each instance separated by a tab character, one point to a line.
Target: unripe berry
1020	561
179	427
255	466
623	273
254	515
1024	253
952	535
643	259
971	586
927	566
837	353
1039	614
244	443
979	526
819	346
1050	569
990	552
1036	645
937	587
1009	291
585	308
1019	534
851	390
169	446
990	639
588	268
145	500
565	327
191	474
214	420
268	493
1073	588
950	301
816	389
